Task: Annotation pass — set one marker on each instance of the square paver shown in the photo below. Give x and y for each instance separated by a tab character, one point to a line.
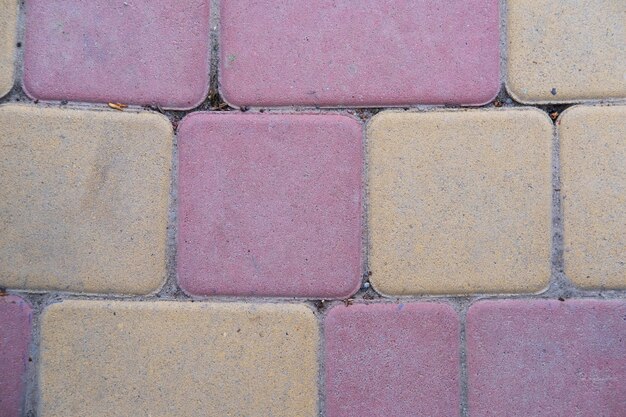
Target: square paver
100	358
359	53
547	358
460	201
566	50
136	51
392	360
15	328
84	198
270	205
8	32
593	177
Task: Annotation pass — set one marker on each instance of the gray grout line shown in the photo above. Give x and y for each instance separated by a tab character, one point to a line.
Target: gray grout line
19	51
321	363
461	308
31	398
170	288
560	286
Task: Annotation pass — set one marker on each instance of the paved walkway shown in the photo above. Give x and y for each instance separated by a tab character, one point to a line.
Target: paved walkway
308	208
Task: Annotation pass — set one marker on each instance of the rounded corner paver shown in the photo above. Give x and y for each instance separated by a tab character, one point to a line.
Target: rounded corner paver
84	200
8	37
385	287
593	187
547	122
135	52
99	358
460	201
159	121
367	53
388	359
489	94
229	97
546	358
516	92
15	336
563	52
270	205
189	121
31	90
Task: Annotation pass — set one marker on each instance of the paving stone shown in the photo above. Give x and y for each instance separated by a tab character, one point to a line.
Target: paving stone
15	328
566	51
270	205
365	53
141	51
101	358
460	202
392	360
547	358
84	197
593	176
8	31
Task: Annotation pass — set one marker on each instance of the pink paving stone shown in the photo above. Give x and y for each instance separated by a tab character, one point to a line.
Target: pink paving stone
130	51
270	205
15	327
359	53
547	358
400	360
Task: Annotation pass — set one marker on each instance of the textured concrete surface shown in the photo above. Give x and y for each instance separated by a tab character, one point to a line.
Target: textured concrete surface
115	231
83	199
566	51
8	32
15	327
104	358
392	360
593	176
140	51
366	53
270	205
547	358
460	202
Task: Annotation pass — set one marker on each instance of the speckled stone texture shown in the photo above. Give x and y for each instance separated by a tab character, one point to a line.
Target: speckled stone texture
359	53
270	205
547	358
593	177
15	328
8	32
84	199
137	51
107	358
460	201
398	360
566	50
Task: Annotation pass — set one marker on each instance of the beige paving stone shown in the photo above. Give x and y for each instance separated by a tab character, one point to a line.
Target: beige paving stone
567	50
8	34
83	199
101	358
460	202
593	176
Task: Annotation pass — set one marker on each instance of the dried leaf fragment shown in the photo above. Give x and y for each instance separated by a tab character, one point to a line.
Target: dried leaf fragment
118	106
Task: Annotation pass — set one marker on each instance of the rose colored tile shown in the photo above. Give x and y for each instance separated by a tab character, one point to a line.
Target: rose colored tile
396	360
134	51
359	53
547	358
270	205
15	327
